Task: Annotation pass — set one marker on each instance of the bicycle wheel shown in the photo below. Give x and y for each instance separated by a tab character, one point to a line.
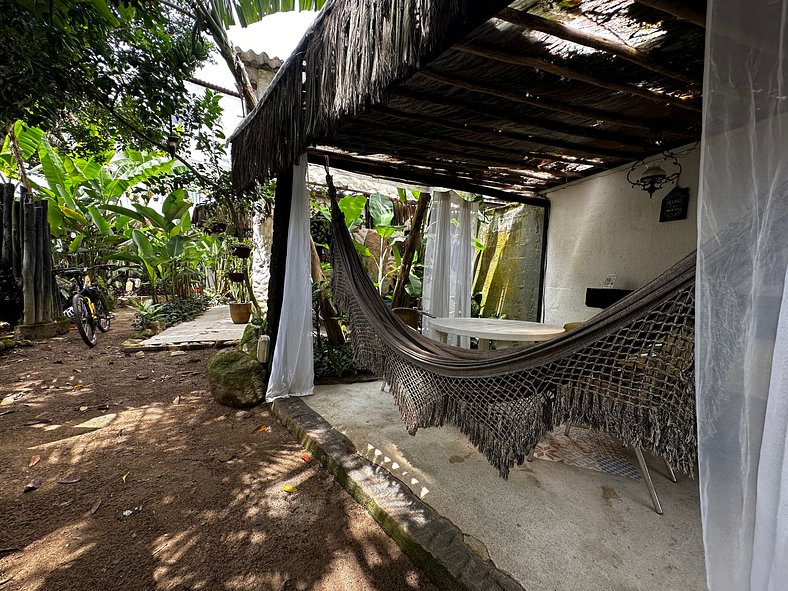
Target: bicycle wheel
84	320
102	313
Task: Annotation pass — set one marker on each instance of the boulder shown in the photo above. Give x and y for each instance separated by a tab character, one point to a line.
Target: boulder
236	379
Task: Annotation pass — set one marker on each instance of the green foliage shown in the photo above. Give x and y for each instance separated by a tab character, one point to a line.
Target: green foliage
63	56
335	361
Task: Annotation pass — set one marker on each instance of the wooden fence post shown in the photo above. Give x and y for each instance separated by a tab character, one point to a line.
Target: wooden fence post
5	242
28	259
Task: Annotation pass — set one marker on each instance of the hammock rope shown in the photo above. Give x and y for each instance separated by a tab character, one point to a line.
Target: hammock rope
629	371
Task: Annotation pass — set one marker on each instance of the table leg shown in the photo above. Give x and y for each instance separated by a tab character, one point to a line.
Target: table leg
484	344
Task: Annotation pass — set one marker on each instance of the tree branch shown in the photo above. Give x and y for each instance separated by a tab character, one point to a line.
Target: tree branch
142	135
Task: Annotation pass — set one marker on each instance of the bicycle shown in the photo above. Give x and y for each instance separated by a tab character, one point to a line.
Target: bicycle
89	308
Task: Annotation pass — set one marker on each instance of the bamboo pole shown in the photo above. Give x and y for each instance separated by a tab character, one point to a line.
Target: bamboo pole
414	239
28	260
46	266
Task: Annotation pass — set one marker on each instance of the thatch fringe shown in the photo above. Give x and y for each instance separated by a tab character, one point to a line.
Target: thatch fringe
354	52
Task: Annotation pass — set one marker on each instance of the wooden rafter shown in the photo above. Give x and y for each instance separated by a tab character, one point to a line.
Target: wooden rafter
681	10
572	74
489	151
542	125
542	103
456	160
492	134
622	50
411	175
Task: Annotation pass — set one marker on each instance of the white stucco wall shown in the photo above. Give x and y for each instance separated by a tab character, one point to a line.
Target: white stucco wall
603	225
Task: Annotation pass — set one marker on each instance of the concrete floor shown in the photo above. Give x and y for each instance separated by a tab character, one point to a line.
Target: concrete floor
214	325
551	526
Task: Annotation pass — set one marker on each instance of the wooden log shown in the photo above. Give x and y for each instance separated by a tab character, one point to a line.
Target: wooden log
680	9
411	246
408	174
16	238
28	260
38	270
5	243
571	74
508	117
622	50
46	266
526	98
276	281
492	134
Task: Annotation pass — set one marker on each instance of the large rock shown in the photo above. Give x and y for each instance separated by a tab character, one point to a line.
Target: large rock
236	379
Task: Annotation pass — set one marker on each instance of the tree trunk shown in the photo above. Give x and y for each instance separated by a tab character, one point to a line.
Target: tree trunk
411	246
16	238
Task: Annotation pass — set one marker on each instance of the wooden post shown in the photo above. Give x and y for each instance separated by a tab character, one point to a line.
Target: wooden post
5	243
16	238
46	265
28	259
276	282
38	271
412	245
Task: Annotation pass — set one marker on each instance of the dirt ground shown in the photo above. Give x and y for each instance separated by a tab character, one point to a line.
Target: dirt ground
170	490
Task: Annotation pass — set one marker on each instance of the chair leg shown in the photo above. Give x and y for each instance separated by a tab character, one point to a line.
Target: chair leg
647	478
383	386
671	473
530	457
568	428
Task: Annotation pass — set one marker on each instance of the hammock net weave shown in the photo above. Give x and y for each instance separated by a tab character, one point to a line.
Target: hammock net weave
629	371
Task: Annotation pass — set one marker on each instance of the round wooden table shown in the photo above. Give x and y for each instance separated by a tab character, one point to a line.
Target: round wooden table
503	332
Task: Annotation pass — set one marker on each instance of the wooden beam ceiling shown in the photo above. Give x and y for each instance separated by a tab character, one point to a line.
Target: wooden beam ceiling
622	50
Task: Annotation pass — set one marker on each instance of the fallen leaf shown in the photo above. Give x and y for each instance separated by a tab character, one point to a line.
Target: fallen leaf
83	408
33	461
7	400
139	354
95	506
75	370
306	456
78	386
142	376
70	479
46	348
123	478
34	484
6	412
261	428
289	488
177	399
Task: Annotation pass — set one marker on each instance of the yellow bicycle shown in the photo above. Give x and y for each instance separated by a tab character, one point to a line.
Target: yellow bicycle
89	308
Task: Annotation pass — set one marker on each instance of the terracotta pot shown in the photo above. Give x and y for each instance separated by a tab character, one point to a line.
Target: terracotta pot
240	312
235	276
242	251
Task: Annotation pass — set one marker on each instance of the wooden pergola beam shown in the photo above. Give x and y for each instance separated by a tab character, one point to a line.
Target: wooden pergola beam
493	133
572	74
510	118
542	103
410	175
681	10
453	161
464	146
622	50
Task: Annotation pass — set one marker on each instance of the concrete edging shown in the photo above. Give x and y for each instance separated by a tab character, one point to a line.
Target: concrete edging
431	541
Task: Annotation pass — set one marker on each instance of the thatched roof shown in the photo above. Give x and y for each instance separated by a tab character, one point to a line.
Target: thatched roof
497	97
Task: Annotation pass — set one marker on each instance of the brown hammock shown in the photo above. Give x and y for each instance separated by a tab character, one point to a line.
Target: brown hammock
629	371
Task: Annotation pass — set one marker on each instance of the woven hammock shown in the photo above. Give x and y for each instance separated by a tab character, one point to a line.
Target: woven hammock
629	371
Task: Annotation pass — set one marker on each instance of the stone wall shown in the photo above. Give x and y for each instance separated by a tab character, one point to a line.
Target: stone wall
509	267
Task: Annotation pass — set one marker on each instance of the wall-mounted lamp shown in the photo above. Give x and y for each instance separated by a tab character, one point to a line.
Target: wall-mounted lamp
654	177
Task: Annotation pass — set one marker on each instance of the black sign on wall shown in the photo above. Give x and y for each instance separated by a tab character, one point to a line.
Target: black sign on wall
675	205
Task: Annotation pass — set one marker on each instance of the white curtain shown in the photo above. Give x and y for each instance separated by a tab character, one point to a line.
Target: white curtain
448	260
292	371
742	307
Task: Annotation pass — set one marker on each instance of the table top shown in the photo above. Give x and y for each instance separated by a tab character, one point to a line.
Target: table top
496	329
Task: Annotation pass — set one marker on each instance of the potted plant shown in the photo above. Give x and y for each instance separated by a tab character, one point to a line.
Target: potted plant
242	251
240	312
